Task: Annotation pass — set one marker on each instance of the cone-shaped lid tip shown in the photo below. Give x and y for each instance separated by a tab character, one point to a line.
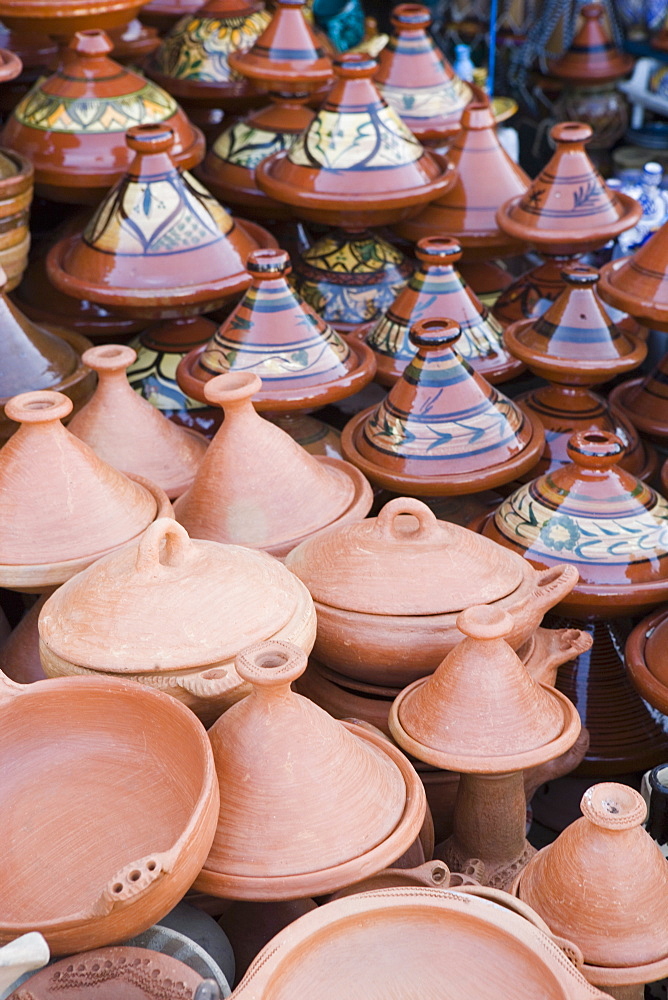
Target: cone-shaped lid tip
149	139
595	449
485	622
272	664
232	387
355	66
268	263
580	275
438	249
92	42
39	407
478	115
575	132
411	15
433	334
109	357
613	806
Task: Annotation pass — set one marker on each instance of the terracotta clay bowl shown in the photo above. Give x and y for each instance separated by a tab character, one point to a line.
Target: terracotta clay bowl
109	819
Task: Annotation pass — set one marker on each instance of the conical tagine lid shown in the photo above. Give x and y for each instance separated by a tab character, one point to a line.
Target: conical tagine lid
603	884
417	80
645	401
301	794
128	432
212	601
569	208
273	333
442	566
159	242
72	125
592	58
258	487
437	289
481	712
638	284
442	428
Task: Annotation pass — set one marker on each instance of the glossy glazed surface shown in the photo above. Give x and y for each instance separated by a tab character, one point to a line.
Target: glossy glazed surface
592	57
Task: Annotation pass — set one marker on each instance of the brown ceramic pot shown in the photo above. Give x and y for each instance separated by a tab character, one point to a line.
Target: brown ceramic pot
10	65
16	191
163	14
646	661
36	51
133	42
592	58
64	18
639	284
89	103
645	402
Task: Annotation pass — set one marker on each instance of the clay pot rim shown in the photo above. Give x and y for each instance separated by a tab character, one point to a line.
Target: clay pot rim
646	683
622	396
286	887
247	195
450	485
35	578
502	764
283	71
80	343
556	239
647	313
11	187
287	400
10	66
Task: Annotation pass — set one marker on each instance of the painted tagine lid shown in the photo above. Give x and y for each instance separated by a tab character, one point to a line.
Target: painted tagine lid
64	18
308	804
437	289
442	429
417	80
600	518
303	362
159	245
568	208
128	432
592	58
256	486
61	505
603	884
72	125
638	284
356	566
356	164
468	210
576	341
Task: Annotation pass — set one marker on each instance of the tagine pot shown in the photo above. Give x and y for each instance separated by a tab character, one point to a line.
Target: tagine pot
172	613
442	429
64	19
133	42
89	103
88	510
638	284
371	630
434	290
289	777
592	59
159	245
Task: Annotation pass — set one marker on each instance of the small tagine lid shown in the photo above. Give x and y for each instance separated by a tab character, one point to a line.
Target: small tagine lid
442	427
58	500
638	284
300	793
417	80
442	566
592	57
603	884
182	602
482	712
159	239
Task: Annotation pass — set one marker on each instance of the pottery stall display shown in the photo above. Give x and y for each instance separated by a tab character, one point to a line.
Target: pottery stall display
16	193
72	125
256	486
172	612
581	888
135	782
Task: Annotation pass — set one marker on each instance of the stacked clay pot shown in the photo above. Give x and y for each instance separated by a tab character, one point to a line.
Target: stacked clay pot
16	191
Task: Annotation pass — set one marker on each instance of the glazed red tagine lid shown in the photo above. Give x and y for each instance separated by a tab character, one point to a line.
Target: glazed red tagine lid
89	104
442	428
638	284
356	164
88	509
128	432
256	486
592	58
468	210
568	208
303	362
308	804
68	16
646	661
598	517
133	41
438	289
580	886
417	80
159	245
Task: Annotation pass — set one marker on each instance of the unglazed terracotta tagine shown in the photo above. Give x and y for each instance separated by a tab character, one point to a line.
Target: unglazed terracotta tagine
129	433
442	428
486	178
645	402
357	164
258	487
88	509
575	344
646	660
192	62
146	799
172	613
437	289
68	16
639	284
581	888
308	805
159	245
371	630
592	58
72	125
273	333
482	714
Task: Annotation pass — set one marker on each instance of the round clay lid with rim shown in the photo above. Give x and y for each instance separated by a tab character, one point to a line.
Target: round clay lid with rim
404	562
655	648
181	601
